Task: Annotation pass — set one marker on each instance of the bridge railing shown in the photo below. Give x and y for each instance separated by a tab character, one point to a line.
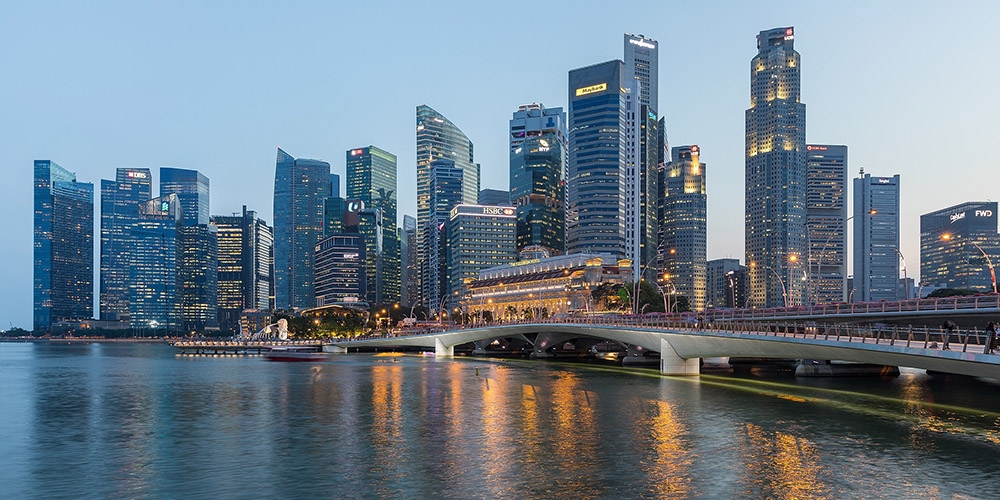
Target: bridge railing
990	301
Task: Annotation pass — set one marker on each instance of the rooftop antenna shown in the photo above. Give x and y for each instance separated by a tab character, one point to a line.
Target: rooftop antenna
861	173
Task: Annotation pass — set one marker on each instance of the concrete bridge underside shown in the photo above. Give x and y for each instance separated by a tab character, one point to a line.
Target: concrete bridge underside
681	350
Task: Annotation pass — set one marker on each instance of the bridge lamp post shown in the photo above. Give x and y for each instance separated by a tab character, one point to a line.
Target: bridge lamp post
906	279
784	291
993	275
642	272
819	259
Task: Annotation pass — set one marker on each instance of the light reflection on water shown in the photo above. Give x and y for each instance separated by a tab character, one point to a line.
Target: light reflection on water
136	421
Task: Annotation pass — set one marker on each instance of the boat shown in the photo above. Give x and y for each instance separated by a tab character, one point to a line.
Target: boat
295	354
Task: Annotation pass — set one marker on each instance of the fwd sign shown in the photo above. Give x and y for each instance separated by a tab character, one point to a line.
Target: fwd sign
984	213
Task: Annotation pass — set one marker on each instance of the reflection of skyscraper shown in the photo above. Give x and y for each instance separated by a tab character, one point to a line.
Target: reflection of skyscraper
244	271
301	187
595	181
64	248
775	172
537	156
120	201
439	138
371	178
826	221
876	238
685	225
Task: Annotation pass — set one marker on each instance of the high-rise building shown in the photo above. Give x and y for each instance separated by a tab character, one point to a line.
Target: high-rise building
479	237
876	238
120	201
197	248
301	187
154	301
244	271
191	188
775	172
371	178
64	246
726	279
439	139
537	189
495	197
595	181
445	193
685	225
960	247
826	223
411	267
641	188
335	185
340	270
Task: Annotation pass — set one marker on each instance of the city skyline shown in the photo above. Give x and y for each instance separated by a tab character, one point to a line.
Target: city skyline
129	112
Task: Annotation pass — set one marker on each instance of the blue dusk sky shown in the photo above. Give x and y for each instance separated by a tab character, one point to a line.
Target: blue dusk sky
909	86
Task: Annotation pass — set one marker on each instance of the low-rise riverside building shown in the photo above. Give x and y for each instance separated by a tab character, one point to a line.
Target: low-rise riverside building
541	287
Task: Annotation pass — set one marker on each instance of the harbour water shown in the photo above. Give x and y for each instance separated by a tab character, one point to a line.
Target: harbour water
140	421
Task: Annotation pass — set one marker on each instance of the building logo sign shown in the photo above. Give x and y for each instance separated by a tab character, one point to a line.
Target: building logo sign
884	180
641	43
356	152
957	217
789	33
984	213
135	175
593	89
355	206
164	207
815	148
498	211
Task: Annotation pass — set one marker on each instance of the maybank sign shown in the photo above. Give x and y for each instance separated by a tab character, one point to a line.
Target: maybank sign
593	89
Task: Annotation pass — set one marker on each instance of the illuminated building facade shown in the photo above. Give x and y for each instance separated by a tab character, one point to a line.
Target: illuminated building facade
826	223
957	246
446	193
245	245
120	199
154	301
641	187
439	139
191	188
727	284
63	246
371	178
595	180
479	237
775	172
537	189
340	270
495	197
301	187
685	226
876	238
541	287
411	267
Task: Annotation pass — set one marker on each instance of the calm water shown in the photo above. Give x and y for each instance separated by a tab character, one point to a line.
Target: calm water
139	421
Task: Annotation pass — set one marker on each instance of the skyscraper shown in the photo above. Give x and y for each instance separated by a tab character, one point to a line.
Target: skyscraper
537	189
595	194
64	246
876	238
641	80
495	197
685	225
826	223
197	247
446	192
340	270
154	301
411	266
244	271
439	138
191	188
726	284
775	172
371	178
959	245
479	237
120	201
301	187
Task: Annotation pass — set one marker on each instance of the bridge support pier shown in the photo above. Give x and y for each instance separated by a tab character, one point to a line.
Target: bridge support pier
442	350
672	364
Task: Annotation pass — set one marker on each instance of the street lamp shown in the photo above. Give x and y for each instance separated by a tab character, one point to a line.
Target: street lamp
906	279
819	260
784	291
993	275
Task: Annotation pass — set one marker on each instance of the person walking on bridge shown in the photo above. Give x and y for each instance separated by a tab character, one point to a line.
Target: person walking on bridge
991	337
949	328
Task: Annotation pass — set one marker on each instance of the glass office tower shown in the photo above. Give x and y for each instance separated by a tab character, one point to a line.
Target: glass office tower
64	246
154	301
120	201
876	238
537	188
445	193
479	237
775	172
595	181
826	223
191	188
685	226
197	248
439	138
244	273
411	275
371	178
958	247
641	56
301	187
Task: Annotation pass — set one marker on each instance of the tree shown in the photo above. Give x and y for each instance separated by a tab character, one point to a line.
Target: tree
952	292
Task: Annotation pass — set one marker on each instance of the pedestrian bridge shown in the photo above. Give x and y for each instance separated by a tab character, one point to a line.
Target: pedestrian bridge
681	346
